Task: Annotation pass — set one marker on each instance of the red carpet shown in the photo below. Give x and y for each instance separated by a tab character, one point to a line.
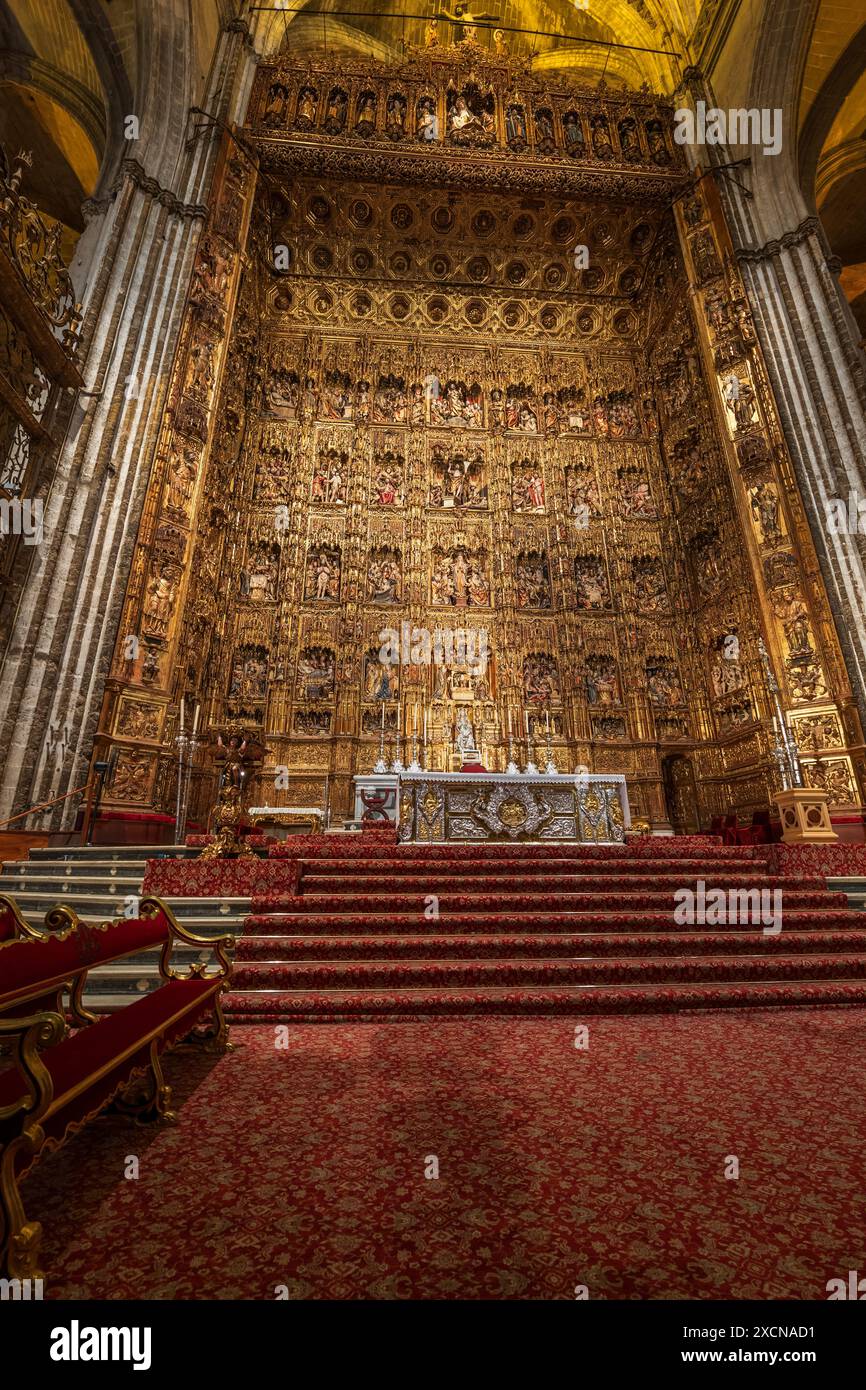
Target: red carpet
558	1167
349	929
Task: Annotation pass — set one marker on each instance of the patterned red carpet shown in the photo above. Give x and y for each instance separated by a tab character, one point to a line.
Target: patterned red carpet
558	1167
360	927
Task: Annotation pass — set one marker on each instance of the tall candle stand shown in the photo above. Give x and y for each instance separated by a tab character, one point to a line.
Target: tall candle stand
397	765
530	768
551	769
512	769
414	766
192	744
785	751
181	743
380	765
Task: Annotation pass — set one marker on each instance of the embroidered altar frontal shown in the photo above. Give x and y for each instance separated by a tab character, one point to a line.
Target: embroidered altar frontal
473	807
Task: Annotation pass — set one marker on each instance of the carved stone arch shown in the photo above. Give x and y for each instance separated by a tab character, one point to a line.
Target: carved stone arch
62	87
826	104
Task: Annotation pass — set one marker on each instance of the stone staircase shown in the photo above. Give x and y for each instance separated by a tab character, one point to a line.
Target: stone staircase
100	883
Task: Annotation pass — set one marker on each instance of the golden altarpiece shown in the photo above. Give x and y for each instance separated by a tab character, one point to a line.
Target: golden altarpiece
406	398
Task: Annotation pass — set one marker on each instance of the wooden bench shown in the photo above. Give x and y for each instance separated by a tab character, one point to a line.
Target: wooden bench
60	1074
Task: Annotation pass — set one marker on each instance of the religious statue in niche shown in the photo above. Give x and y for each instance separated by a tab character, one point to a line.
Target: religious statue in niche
545	140
381	680
601	142
662	681
705	551
311	399
647	576
635	496
527	487
726	670
655	136
582	495
182	473
426	120
600	679
282	392
457	404
717	313
200	376
470	115
532	580
590	575
387	475
417	404
159	600
575	140
458	481
315	674
650	415
249	673
794	617
362	403
764	502
383	575
275	105
314	723
322	574
365	120
550	414
389	401
520	412
515	126
540	679
337	396
497	409
459	579
739	398
212	271
259	581
705	256
306	114
629	142
395	116
573	410
335	116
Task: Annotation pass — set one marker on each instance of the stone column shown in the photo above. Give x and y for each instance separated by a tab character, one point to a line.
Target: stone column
133	268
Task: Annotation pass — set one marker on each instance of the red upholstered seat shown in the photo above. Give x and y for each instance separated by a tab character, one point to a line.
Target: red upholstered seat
107	1052
29	967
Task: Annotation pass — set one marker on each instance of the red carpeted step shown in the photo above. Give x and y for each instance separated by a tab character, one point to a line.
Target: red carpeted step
433	882
338	948
389	974
517	894
544	920
528	866
277	1007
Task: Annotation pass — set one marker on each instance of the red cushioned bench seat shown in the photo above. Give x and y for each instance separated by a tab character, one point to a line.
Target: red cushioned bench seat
59	1079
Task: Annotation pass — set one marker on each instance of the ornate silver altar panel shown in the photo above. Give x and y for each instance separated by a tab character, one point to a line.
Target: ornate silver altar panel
467	807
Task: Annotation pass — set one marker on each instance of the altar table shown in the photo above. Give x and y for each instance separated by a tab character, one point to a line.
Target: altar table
467	807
